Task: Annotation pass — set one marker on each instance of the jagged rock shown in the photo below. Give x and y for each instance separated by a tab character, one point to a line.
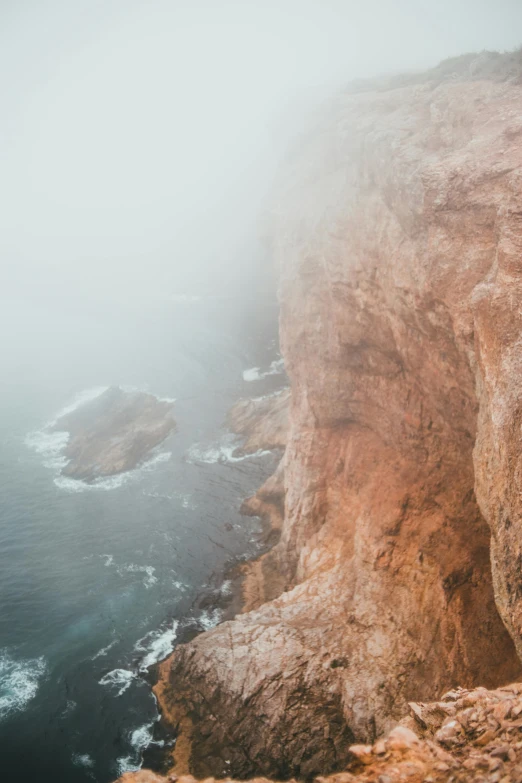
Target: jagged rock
113	433
398	246
405	756
263	420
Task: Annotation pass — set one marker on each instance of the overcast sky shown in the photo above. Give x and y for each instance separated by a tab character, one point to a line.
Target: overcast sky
138	138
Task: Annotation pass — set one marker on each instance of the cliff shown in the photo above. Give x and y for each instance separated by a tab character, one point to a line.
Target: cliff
398	240
466	736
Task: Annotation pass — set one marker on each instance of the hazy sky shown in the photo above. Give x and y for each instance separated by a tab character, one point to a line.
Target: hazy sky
138	138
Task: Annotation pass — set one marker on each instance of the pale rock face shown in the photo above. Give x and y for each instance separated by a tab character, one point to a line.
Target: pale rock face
399	248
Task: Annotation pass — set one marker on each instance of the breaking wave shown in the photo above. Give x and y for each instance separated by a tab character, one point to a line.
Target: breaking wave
210	618
112	482
139	739
19	682
118	678
277	367
223	451
157	645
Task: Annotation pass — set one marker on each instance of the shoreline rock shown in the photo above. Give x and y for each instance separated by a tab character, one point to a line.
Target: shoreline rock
264	424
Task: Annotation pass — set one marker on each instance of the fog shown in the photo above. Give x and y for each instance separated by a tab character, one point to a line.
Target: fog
139	139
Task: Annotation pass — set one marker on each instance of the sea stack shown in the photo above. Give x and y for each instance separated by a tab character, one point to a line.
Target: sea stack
114	433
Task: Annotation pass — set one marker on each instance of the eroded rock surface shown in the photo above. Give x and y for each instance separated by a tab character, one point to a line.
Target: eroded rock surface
399	247
114	433
473	736
264	421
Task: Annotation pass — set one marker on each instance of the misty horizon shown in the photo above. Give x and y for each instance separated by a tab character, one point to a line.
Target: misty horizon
140	141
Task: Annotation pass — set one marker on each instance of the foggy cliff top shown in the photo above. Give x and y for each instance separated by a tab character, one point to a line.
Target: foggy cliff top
139	139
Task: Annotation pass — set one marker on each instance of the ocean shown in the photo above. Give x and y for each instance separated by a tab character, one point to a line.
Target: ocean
98	581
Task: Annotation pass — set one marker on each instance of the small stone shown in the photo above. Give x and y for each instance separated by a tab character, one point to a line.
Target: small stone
452	695
488	736
379	748
449	733
501	752
441	766
416	710
363	753
401	738
384	779
501	710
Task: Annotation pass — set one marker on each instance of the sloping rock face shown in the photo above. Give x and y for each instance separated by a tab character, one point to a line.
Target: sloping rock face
114	433
399	247
472	736
263	421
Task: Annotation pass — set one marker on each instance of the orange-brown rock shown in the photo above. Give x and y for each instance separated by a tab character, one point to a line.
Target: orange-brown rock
473	736
399	248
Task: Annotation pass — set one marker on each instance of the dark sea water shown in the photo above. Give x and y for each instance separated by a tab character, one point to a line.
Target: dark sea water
97	582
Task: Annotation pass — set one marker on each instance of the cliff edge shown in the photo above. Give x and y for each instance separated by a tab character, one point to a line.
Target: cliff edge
398	240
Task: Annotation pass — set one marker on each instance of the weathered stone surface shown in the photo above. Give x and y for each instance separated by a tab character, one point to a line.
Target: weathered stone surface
420	757
263	420
114	433
399	246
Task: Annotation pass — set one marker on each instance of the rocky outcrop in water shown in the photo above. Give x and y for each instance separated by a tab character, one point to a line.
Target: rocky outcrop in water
113	433
399	247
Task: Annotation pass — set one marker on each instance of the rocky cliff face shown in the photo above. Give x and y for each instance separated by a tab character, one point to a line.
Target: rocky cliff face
398	238
466	736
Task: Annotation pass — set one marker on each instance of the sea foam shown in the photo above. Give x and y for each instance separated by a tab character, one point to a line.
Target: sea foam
118	678
157	645
255	374
83	760
210	618
222	451
139	739
113	482
19	682
104	650
149	579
